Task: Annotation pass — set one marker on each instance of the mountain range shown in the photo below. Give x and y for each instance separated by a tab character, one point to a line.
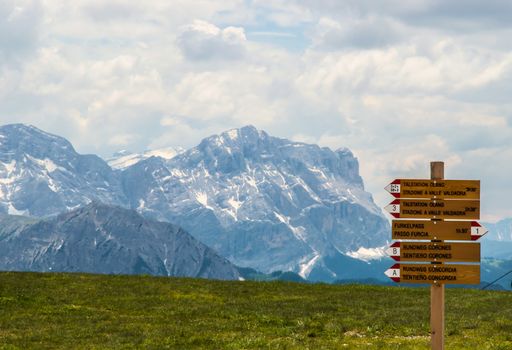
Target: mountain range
262	202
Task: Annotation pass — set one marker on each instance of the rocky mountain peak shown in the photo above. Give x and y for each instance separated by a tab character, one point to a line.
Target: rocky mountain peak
238	150
230	150
237	138
19	140
41	174
98	211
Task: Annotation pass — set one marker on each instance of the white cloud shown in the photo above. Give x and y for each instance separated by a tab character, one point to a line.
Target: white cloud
204	41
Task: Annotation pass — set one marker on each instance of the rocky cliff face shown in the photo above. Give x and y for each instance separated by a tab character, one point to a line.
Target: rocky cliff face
98	238
261	201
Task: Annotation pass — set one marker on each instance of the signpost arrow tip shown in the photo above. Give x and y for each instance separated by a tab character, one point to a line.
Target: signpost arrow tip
394	251
394	188
393	208
477	230
394	273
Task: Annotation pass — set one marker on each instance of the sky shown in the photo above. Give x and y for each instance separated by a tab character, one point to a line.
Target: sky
400	83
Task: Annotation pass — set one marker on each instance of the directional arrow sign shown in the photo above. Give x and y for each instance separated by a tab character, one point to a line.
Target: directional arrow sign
434	209
393	272
431	274
437	230
435	252
435	189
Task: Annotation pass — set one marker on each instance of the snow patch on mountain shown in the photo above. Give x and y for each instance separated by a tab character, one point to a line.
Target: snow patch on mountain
306	268
233	134
13	211
45	164
9	167
234	203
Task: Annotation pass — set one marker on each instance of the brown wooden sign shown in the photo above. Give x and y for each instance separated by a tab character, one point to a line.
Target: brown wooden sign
437	230
434	252
434	189
436	199
434	209
435	273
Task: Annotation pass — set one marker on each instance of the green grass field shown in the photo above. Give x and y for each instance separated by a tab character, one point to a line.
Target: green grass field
69	311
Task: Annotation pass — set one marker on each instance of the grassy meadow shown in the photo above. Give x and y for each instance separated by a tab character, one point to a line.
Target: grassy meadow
80	311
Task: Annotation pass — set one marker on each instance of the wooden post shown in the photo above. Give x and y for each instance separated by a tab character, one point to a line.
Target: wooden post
437	170
437	290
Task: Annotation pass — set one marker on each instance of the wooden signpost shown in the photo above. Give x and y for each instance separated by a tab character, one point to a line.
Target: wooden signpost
435	189
435	252
434	209
434	274
437	230
422	241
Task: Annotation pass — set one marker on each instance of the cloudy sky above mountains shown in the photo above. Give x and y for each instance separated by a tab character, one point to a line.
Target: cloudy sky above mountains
400	83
